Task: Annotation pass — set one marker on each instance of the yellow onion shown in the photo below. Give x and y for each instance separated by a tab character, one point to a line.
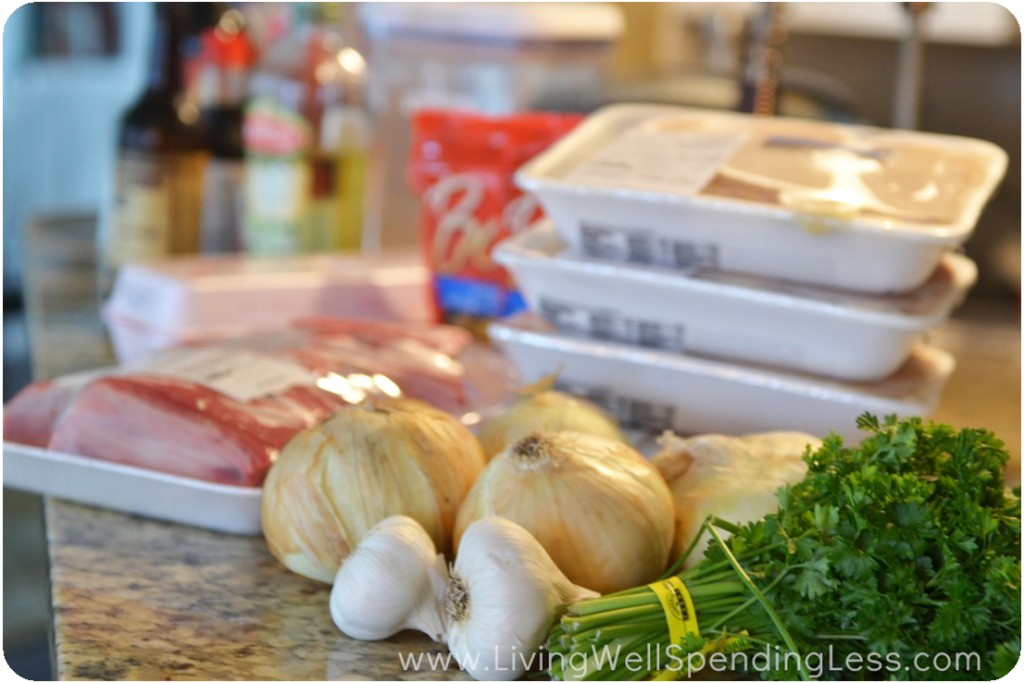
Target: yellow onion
541	409
602	512
332	483
733	478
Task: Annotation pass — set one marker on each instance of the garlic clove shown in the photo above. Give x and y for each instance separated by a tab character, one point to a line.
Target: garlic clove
504	594
394	580
430	617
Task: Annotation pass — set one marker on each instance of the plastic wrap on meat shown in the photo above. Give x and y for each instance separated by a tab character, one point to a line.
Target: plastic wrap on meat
158	417
30	417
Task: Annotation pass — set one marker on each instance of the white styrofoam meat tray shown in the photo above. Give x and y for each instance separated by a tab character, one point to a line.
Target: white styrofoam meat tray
187	500
852	207
823	331
690	394
160	304
219	507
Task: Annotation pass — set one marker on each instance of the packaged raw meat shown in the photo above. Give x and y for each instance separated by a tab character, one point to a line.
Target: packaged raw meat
830	332
160	304
222	412
851	207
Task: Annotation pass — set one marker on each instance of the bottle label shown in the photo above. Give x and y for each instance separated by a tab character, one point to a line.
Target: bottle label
278	178
274	130
222	205
277	198
158	202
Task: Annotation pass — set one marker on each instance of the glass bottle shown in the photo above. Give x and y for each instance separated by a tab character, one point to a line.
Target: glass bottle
225	59
305	135
160	158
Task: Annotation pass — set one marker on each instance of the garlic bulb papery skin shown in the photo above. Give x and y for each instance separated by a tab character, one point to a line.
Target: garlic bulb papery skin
394	580
734	478
546	411
333	482
504	594
599	508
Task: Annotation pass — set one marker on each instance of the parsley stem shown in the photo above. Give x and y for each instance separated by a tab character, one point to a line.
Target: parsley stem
617	601
614	616
772	614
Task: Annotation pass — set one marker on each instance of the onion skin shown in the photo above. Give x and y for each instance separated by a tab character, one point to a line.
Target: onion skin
332	483
546	411
733	478
600	510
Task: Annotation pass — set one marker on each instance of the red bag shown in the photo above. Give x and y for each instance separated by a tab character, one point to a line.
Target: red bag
462	166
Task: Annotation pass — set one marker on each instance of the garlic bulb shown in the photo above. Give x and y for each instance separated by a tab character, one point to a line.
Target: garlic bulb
734	478
541	409
394	580
601	511
335	481
503	596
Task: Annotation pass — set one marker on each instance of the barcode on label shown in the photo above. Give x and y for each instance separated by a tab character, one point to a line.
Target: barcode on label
629	411
608	324
639	246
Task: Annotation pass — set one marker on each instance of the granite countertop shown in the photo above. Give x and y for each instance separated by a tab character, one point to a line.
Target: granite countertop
141	599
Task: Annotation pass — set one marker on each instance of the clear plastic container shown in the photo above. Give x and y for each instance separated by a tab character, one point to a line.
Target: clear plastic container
852	207
741	317
656	390
494	59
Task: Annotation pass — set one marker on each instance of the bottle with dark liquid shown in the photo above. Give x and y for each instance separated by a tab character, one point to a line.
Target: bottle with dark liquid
160	158
221	84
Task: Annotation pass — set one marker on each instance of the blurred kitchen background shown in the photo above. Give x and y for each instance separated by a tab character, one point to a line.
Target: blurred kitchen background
73	70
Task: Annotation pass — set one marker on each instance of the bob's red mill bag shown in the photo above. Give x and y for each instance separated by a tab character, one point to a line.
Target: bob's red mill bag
462	167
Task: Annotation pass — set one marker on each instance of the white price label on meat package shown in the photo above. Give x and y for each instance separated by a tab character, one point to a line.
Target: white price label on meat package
241	375
653	159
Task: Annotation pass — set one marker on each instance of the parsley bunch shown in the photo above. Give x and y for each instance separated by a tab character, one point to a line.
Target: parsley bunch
907	543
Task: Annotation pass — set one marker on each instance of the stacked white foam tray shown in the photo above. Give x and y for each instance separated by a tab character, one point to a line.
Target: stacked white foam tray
716	272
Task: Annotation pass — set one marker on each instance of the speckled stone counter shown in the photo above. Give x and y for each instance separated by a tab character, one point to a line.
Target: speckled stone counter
140	599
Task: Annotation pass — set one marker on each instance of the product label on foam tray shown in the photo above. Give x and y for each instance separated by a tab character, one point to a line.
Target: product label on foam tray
240	375
651	158
614	243
606	323
630	411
